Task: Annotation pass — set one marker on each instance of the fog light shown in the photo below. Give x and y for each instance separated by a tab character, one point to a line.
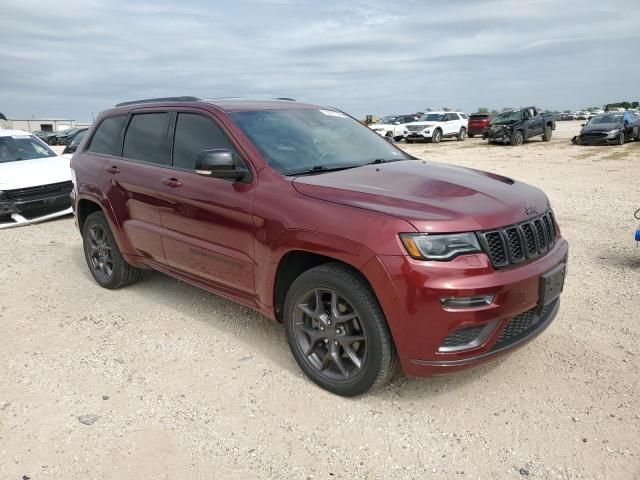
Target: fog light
457	303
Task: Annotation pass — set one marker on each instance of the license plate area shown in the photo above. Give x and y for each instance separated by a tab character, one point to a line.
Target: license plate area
551	285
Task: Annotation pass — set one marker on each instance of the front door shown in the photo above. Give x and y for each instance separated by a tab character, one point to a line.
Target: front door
207	223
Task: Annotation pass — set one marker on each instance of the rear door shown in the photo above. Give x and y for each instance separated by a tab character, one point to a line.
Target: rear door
535	122
134	179
208	229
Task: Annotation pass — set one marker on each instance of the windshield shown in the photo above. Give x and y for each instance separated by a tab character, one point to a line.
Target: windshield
432	117
507	117
389	119
78	138
605	119
23	147
296	141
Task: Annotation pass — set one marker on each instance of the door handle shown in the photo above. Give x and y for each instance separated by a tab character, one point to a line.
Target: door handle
172	182
112	169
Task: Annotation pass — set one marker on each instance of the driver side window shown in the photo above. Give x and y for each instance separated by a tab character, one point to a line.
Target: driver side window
195	133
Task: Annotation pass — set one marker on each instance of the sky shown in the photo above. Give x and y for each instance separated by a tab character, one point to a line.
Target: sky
73	58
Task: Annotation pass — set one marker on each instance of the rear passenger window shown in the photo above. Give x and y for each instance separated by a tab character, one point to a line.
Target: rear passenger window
195	133
146	138
106	137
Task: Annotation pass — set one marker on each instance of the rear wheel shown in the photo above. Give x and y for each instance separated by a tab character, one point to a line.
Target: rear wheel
337	332
548	132
103	257
462	134
437	136
517	138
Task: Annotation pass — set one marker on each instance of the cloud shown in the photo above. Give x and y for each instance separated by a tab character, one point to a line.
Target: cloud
77	57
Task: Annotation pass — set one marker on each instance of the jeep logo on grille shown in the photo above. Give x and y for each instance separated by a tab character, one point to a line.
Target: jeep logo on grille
530	210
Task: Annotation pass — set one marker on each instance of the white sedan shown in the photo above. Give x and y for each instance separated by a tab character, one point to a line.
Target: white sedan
35	183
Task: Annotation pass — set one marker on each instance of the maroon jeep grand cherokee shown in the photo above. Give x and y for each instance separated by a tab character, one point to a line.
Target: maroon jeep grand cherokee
369	256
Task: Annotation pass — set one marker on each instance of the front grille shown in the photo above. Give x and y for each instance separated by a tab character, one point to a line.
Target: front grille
513	244
41	191
461	337
594	135
415	128
522	325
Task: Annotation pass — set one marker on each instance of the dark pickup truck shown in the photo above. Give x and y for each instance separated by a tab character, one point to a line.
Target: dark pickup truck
516	126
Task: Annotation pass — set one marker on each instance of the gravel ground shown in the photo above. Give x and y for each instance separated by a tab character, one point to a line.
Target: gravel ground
163	380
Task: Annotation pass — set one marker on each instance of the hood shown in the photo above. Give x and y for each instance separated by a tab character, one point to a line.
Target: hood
32	173
600	127
433	197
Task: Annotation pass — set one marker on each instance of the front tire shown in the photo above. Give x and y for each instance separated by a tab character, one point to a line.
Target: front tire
546	136
621	139
517	138
106	264
337	332
437	136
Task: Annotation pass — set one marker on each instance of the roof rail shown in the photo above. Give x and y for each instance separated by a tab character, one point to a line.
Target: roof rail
156	100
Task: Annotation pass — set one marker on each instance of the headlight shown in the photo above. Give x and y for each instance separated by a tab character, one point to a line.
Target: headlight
426	130
615	131
439	247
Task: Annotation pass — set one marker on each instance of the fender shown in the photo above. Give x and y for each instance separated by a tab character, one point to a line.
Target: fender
347	251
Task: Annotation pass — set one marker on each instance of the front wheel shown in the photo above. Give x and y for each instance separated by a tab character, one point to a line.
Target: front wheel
517	138
337	332
621	139
103	257
437	136
546	136
462	134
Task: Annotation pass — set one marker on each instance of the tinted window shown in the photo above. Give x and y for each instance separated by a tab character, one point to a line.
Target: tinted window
479	117
195	133
106	136
146	138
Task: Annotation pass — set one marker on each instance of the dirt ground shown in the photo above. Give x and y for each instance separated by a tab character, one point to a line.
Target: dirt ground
186	385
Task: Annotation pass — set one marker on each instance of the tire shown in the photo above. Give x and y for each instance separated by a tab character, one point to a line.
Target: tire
408	141
462	134
437	136
319	336
621	139
106	264
397	139
546	136
517	138
471	135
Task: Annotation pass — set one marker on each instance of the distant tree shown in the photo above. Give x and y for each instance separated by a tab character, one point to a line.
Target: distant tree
635	104
483	110
611	106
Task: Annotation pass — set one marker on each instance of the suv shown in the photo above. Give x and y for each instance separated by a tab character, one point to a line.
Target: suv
478	122
392	126
370	257
517	126
434	126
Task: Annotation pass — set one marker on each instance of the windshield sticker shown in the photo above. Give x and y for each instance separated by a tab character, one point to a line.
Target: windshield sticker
18	137
332	113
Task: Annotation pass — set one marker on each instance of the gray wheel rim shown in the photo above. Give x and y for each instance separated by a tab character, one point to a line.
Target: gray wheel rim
518	138
436	136
463	134
329	334
99	252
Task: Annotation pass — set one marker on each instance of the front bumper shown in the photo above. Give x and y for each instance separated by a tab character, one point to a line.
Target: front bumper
410	293
502	136
597	140
35	204
423	135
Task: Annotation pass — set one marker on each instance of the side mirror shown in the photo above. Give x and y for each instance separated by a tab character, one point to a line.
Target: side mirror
218	163
396	123
582	125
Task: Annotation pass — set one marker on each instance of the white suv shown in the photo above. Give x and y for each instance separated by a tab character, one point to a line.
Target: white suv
393	126
434	126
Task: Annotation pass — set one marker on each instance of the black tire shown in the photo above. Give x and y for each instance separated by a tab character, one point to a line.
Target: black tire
517	138
380	360
437	136
546	136
97	237
462	134
408	141
621	139
397	139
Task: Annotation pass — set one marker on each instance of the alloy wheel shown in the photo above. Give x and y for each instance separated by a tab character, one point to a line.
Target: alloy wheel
330	335
100	252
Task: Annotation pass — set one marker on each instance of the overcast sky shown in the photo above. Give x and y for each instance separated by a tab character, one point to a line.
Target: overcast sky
72	58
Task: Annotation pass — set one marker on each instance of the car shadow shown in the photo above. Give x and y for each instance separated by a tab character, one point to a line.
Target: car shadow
257	332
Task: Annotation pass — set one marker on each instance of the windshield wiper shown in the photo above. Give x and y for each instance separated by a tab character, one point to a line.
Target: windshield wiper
384	160
319	169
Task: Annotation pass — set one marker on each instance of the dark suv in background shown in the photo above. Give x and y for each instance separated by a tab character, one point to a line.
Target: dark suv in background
370	257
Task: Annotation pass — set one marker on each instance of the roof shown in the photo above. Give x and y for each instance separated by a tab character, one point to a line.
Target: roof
10	133
228	104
